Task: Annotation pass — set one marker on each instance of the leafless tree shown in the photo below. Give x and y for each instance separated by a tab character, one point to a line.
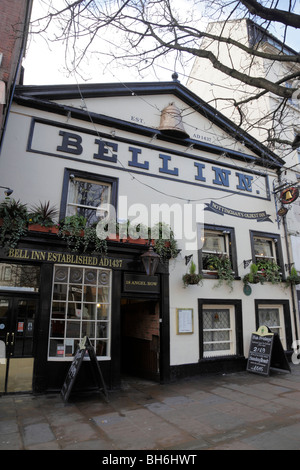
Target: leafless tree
146	32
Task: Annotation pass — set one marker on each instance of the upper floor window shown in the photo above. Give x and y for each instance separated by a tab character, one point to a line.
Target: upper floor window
87	195
264	248
217	241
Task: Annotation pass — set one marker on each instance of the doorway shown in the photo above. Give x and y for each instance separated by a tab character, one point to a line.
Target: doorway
140	338
17	321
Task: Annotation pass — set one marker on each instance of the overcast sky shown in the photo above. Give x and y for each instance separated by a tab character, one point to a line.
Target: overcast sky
45	63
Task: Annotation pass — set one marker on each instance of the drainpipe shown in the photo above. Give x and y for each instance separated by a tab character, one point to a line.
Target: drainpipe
289	264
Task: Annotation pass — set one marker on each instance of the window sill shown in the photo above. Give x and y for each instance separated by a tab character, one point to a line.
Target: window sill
221	358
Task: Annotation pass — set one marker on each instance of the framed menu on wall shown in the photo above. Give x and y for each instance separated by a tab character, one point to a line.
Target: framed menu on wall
185	321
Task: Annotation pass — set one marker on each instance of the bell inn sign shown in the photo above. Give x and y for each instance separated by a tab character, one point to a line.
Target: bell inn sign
67	142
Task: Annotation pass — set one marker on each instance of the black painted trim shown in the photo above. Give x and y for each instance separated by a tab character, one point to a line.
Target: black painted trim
232	246
286	313
143	145
278	247
92	176
237	303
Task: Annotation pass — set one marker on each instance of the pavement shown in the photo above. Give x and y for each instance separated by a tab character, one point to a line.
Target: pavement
239	411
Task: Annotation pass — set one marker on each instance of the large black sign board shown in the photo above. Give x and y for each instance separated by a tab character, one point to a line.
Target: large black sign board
85	347
266	352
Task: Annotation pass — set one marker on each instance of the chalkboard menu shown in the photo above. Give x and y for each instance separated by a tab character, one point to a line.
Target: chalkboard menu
266	352
84	348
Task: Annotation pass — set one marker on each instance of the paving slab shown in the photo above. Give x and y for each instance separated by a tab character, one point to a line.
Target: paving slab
240	411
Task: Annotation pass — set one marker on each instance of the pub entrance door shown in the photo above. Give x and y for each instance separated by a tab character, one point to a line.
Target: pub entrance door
17	321
140	338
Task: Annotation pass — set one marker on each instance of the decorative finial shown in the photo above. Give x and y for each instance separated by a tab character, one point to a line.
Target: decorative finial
175	77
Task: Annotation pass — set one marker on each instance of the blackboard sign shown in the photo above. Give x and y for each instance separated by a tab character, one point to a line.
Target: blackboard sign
266	352
84	348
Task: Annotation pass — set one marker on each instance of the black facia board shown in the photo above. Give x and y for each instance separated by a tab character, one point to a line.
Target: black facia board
266	352
84	348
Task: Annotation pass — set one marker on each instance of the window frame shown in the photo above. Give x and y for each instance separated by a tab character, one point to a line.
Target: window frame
112	181
232	253
236	305
80	320
285	305
231	330
276	242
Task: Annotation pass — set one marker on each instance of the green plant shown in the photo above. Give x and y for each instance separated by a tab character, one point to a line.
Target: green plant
14	217
293	278
91	242
43	214
191	277
222	265
71	229
79	236
165	244
254	277
270	270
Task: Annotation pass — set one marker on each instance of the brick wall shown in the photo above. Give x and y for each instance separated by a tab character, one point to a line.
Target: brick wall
141	320
12	20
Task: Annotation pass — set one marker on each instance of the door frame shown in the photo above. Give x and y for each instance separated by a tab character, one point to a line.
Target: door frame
11	328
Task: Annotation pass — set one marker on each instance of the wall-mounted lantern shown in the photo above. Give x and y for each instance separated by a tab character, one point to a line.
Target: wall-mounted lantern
150	261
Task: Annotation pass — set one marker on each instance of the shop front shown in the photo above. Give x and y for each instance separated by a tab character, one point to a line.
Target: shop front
50	299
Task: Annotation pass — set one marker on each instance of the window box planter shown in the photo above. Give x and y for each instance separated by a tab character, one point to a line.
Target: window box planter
42	228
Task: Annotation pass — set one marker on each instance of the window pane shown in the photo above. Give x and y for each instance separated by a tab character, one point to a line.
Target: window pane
58	310
18	276
271	317
85	197
88	193
57	328
80	307
88	329
89	294
214	242
89	311
218	332
76	275
60	292
75	293
263	248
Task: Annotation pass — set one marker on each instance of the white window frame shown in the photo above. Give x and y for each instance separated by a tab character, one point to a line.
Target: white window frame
273	249
72	207
281	327
65	339
225	252
232	332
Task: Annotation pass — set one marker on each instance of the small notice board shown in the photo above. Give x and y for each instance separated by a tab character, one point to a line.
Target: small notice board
84	348
266	352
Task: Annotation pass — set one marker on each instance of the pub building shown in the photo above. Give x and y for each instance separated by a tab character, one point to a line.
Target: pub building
150	152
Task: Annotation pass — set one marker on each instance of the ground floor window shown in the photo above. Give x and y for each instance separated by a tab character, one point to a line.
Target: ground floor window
218	331
81	300
273	317
221	330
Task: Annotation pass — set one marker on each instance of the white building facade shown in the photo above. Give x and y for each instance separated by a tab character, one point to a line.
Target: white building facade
94	149
264	118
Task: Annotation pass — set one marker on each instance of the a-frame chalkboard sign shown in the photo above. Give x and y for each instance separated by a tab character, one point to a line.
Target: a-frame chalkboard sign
266	352
84	347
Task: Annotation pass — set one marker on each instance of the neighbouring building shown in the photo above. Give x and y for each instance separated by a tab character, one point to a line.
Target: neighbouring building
15	15
136	149
264	118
